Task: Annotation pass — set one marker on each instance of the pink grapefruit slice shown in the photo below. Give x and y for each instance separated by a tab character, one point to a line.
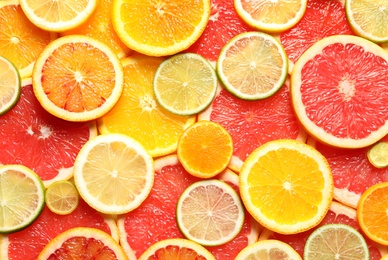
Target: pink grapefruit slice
34	138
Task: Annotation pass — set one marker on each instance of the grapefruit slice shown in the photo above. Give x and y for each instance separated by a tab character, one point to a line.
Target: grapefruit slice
337	87
44	143
157	215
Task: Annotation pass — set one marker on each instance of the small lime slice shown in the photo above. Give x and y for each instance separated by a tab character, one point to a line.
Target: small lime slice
62	197
336	241
185	84
10	85
252	65
21	197
210	212
378	155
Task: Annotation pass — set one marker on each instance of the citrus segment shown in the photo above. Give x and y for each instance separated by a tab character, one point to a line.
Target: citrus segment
336	241
378	154
346	108
205	149
372	212
90	243
22	197
155	128
10	85
185	84
171	26
77	78
271	16
252	65
298	180
52	15
62	197
113	173
210	212
176	248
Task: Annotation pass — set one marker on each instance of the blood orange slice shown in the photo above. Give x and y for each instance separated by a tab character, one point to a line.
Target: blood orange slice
337	87
44	143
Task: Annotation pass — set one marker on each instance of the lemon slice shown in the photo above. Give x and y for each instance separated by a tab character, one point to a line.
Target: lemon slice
62	197
10	85
378	155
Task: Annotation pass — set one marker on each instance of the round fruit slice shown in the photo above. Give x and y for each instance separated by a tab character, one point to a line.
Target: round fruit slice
176	248
336	241
271	16
90	243
368	19
51	15
268	249
185	84
378	154
77	78
298	180
210	213
372	212
205	149
345	109
22	197
160	28
10	85
252	65
62	197
113	173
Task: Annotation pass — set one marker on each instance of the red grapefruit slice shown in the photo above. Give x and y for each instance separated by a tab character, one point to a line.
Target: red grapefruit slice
154	220
34	138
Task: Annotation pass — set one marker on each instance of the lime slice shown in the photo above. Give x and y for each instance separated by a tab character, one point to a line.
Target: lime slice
252	65
368	19
62	197
336	241
378	155
21	197
10	85
210	212
185	84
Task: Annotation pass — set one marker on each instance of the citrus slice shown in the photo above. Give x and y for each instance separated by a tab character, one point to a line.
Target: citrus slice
176	248
252	65
298	180
10	85
22	197
372	212
160	28
378	154
62	197
77	78
346	108
154	127
271	16
90	243
205	149
52	15
268	249
368	19
185	84
210	213
113	173
336	241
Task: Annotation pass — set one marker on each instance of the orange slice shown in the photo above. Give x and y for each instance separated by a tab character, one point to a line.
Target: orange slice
159	28
372	212
287	186
77	78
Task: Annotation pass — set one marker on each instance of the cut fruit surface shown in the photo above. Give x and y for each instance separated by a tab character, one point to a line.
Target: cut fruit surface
10	85
171	26
378	154
185	84
336	101
77	78
298	180
62	197
113	173
22	197
210	213
252	65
